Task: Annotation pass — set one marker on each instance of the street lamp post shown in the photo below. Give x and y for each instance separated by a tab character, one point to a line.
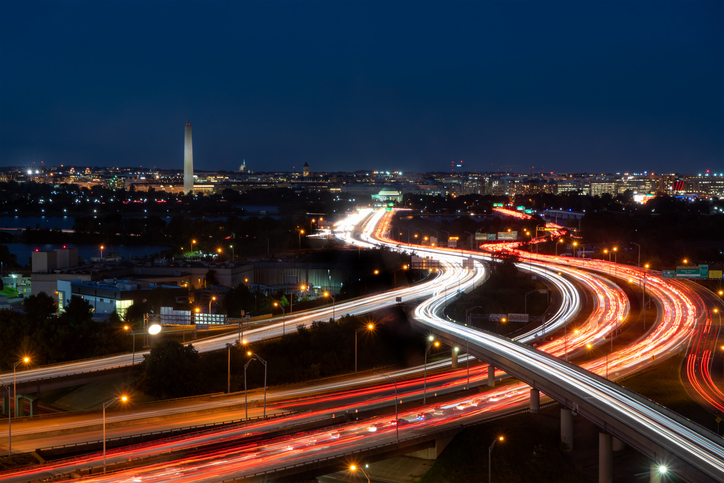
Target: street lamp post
10	426
133	334
433	343
327	294
24	360
559	242
592	347
490	458
233	255
213	299
370	327
284	318
472	236
258	358
105	405
228	368
301	232
102	247
639	247
397	425
354	468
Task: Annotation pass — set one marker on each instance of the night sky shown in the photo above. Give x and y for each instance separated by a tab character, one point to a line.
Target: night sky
346	85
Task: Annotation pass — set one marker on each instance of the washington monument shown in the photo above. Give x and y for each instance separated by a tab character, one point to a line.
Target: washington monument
188	160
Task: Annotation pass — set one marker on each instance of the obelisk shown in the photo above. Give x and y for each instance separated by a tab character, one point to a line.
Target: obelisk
188	160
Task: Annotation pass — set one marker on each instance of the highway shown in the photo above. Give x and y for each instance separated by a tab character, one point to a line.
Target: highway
567	382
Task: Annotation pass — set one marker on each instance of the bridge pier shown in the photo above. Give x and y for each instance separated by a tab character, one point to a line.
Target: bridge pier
618	445
567	428
491	375
534	400
454	363
655	473
605	458
20	407
435	451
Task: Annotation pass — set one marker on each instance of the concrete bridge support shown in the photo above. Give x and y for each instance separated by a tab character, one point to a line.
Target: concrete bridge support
433	452
534	401
455	358
567	428
20	411
491	376
605	458
656	475
618	445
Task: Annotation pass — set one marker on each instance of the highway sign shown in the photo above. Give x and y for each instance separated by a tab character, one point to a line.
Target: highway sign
668	273
715	274
702	271
518	318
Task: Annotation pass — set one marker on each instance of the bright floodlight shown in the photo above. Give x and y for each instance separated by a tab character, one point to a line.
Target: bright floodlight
154	329
663	469
352	467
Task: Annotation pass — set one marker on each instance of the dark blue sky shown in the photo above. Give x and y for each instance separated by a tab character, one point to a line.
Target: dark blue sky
346	85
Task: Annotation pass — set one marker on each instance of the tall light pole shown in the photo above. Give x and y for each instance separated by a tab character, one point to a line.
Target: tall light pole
10	426
592	347
228	367
123	398
397	420
213	299
432	343
24	360
246	404
102	247
490	458
284	318
301	232
354	468
639	246
327	294
133	334
369	327
559	242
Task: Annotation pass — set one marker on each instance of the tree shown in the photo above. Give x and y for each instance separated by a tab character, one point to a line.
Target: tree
171	370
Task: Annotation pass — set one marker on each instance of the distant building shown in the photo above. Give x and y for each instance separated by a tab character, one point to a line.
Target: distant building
305	170
110	296
387	195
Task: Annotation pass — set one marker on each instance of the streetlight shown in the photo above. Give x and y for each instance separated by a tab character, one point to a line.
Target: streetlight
639	259
213	299
10	431
193	242
591	347
246	404
228	368
575	250
565	338
233	255
354	468
559	242
433	343
301	232
284	318
133	334
327	294
24	360
123	398
369	327
490	458
102	247
397	425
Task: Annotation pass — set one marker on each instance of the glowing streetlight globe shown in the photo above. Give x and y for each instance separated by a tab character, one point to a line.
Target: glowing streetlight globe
154	329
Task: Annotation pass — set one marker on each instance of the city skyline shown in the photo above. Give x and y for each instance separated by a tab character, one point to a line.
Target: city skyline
523	87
